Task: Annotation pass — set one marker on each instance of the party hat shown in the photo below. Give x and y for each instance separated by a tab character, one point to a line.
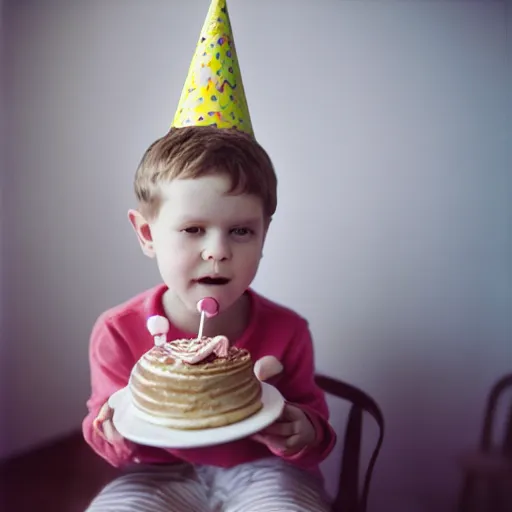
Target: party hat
213	93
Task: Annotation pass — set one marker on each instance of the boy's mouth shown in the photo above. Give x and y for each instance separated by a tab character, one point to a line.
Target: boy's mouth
213	281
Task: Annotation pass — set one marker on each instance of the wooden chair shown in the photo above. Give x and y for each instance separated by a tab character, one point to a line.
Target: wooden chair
489	468
351	497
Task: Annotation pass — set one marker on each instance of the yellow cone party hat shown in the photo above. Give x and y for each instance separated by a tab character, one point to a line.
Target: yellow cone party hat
213	93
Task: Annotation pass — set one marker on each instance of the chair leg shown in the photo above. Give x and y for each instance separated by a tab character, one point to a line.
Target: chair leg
467	494
499	496
484	495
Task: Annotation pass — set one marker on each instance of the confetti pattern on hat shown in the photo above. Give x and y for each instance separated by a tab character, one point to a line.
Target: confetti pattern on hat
213	93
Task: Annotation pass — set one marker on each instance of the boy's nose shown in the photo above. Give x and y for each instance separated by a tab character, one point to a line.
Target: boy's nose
217	249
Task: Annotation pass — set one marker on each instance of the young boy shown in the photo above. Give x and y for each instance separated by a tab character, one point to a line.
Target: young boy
206	197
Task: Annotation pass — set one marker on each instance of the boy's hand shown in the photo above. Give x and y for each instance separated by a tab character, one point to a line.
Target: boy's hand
268	369
104	426
292	431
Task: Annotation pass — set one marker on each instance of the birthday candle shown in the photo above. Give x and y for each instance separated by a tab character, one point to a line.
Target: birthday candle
208	307
158	327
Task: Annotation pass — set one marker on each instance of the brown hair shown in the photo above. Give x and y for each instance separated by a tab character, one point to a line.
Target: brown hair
196	151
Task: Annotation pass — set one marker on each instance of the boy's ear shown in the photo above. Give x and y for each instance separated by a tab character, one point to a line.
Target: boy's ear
143	232
268	220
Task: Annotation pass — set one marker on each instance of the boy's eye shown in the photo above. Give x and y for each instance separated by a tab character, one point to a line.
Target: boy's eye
241	231
194	230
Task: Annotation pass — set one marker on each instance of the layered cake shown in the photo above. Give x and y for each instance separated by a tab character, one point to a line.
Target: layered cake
194	384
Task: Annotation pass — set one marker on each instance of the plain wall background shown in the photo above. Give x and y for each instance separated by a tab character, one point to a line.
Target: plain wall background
389	125
3	267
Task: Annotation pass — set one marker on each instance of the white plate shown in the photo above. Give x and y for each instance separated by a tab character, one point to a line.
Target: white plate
134	428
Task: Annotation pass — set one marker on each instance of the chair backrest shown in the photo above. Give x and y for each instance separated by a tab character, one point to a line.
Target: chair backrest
491	464
503	385
350	498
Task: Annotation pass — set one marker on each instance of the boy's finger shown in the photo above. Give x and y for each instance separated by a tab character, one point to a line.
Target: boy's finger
257	437
102	421
291	412
276	443
105	413
267	368
285	429
110	433
293	441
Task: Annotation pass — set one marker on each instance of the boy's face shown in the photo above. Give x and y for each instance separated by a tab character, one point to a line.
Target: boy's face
207	243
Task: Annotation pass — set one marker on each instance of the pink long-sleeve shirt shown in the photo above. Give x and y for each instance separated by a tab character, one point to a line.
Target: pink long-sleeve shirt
119	338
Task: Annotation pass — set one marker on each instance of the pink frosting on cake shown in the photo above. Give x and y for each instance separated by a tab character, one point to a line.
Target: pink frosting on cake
193	351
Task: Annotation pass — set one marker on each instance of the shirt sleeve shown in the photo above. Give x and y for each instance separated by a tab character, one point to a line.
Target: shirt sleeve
110	362
299	388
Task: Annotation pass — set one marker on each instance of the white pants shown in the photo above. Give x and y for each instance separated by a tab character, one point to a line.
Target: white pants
267	485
